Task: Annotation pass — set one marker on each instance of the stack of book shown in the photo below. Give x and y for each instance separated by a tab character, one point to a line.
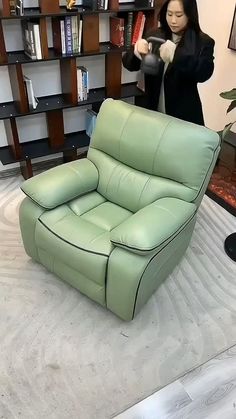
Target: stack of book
31	39
67	34
124	30
82	83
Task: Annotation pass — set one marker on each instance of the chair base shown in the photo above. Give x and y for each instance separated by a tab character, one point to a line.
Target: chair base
230	246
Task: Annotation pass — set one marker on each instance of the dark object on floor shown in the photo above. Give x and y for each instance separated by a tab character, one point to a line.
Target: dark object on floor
230	246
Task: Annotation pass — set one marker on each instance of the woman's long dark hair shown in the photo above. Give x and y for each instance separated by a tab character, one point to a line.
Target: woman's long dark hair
191	11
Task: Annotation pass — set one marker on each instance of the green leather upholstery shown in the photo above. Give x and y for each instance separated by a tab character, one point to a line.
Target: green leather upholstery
114	225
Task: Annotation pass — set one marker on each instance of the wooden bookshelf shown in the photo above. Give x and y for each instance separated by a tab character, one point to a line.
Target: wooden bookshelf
53	105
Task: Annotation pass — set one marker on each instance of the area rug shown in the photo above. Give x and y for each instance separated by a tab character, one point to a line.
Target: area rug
64	357
223	186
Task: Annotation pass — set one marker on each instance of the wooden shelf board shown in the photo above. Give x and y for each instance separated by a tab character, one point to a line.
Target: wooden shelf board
15	57
34	12
41	148
49	103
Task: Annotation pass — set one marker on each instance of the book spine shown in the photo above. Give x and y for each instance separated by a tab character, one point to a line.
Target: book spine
87	78
28	39
137	25
68	35
86	82
56	35
63	37
91	117
31	37
75	34
38	49
80	25
32	100
79	84
84	85
117	31
142	27
19	7
128	29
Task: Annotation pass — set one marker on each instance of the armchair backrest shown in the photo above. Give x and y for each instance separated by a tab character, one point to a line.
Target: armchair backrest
142	155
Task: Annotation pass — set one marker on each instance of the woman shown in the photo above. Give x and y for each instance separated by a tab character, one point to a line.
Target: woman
187	58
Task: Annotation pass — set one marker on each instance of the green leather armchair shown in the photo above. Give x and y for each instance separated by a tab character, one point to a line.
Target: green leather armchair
115	224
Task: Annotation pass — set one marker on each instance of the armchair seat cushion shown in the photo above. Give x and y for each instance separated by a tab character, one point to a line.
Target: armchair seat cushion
83	240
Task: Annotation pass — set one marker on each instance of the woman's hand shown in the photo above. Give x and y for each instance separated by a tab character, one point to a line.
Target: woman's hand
141	48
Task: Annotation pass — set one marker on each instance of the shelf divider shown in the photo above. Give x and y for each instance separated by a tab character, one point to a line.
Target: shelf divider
113	67
5	8
90	38
13	138
18	88
26	168
43	37
55	126
69	80
3	53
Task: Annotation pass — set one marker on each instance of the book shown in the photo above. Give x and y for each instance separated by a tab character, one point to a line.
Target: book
138	27
28	39
19	8
57	35
82	83
63	37
75	34
117	31
79	84
68	35
129	29
91	118
37	42
32	100
102	4
80	27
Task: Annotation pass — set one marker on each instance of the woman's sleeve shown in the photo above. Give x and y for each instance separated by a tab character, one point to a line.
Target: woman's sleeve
130	61
195	59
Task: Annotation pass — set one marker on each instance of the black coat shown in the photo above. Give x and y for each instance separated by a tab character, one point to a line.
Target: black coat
193	63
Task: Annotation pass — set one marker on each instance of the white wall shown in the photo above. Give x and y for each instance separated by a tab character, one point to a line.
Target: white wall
216	18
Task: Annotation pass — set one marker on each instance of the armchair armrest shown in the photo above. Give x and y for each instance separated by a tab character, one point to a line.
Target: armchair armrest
62	183
153	226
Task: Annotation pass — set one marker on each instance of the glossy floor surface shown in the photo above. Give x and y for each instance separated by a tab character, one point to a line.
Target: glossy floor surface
208	392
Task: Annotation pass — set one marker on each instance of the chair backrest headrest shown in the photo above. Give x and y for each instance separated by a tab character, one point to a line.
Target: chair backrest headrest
155	143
